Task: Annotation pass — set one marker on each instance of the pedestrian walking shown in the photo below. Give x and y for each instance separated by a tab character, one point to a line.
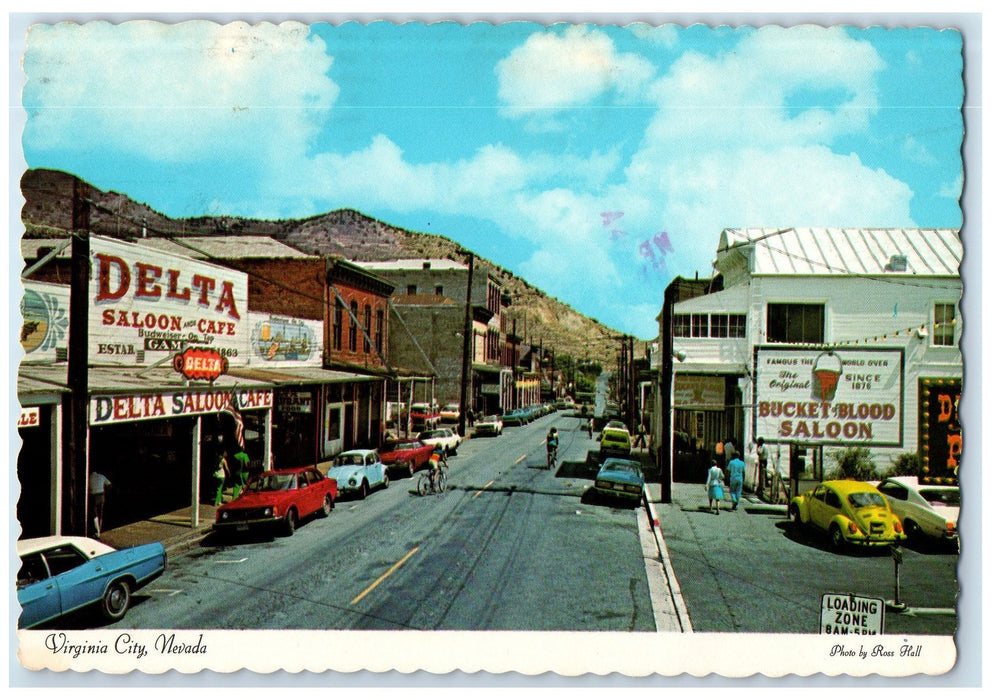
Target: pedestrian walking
641	438
220	473
471	418
729	450
736	469
589	424
761	450
98	485
714	486
241	461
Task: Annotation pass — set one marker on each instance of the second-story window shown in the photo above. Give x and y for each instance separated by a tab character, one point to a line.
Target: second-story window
700	325
439	290
411	289
796	323
943	326
338	324
353	328
379	327
368	327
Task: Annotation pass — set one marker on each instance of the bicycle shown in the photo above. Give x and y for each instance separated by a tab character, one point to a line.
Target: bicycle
433	480
552	457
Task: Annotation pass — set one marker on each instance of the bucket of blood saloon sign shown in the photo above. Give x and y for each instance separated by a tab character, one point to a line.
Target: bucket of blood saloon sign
146	306
838	397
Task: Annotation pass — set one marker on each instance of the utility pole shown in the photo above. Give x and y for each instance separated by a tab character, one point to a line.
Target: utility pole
77	475
466	351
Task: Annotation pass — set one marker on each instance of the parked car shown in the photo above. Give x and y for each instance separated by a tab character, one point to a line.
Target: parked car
926	510
278	499
614	442
450	413
60	575
621	478
488	425
445	437
848	511
517	416
358	472
406	456
424	416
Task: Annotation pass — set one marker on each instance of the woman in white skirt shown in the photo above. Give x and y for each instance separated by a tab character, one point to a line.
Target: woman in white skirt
714	486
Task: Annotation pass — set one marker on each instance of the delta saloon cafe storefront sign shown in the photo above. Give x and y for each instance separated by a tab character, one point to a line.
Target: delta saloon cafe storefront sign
829	397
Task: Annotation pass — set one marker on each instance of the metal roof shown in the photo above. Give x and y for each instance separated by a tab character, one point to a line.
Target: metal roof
225	247
414	264
301	375
847	251
122	379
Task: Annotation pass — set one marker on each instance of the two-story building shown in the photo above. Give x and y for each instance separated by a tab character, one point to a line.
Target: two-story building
814	339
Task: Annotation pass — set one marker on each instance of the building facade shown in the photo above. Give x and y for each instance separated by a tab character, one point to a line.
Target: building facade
816	340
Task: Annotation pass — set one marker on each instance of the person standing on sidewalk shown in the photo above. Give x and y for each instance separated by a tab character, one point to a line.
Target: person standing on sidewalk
220	473
98	485
761	450
714	486
241	460
736	469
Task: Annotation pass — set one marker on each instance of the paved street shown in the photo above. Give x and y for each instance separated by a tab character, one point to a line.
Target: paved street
510	546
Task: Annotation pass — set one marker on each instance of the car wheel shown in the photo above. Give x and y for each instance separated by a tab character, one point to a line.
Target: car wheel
328	505
290	523
836	538
363	491
796	516
912	531
412	470
115	600
385	480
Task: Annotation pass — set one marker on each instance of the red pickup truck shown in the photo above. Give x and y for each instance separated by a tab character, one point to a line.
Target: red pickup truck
424	416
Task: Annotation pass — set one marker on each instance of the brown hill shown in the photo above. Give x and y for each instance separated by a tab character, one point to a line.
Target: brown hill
48	211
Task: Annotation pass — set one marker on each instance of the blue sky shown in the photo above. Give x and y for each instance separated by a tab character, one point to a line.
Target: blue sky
595	161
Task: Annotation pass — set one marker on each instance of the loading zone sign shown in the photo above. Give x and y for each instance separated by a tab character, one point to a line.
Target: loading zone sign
844	613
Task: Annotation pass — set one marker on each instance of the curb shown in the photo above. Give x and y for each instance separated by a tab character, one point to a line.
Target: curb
680	609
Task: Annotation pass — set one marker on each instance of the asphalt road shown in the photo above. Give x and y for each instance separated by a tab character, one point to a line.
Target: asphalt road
510	546
754	571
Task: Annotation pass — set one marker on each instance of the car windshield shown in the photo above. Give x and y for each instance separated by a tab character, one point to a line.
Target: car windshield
431	434
941	497
622	467
346	459
272	482
866	499
402	446
490	419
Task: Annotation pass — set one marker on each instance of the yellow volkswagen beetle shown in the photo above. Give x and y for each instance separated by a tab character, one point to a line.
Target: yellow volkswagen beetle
849	512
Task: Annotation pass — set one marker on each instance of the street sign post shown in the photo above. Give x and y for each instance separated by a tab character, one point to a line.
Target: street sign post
846	613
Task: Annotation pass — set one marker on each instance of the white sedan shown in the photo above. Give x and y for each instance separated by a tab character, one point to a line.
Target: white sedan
489	425
445	437
924	509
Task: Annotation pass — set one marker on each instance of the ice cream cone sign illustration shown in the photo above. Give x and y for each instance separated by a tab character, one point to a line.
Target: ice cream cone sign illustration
826	371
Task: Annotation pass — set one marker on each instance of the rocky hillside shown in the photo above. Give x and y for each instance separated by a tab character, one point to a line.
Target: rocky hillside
47	211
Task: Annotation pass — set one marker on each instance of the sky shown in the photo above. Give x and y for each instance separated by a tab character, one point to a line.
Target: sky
595	161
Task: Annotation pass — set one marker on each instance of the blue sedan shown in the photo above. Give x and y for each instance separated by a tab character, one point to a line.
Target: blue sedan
621	478
60	575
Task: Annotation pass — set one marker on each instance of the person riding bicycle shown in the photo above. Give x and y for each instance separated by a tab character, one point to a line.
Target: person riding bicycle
438	455
552	440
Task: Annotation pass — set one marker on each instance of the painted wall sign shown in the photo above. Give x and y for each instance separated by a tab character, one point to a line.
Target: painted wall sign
30	417
699	391
104	410
941	440
45	321
147	305
294	401
285	341
842	397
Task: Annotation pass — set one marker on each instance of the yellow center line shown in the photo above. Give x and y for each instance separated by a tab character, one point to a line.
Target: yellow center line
384	576
522	457
479	492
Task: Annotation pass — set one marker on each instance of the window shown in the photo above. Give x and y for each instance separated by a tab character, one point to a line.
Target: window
795	323
737	325
719	326
682	326
368	327
338	324
379	324
353	328
700	325
439	290
411	289
944	316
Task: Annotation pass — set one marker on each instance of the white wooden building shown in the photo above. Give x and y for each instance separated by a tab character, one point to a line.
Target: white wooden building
815	339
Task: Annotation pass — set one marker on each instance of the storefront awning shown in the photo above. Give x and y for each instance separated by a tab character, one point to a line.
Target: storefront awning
295	376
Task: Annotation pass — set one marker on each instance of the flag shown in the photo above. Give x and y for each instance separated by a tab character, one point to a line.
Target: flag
233	412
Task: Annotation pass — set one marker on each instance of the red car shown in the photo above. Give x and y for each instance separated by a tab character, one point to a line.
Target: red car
278	499
405	455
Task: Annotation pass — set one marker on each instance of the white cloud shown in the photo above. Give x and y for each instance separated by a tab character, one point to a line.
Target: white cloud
177	92
553	71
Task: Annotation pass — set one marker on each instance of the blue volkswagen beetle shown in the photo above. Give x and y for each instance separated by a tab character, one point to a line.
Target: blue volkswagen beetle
60	575
358	472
